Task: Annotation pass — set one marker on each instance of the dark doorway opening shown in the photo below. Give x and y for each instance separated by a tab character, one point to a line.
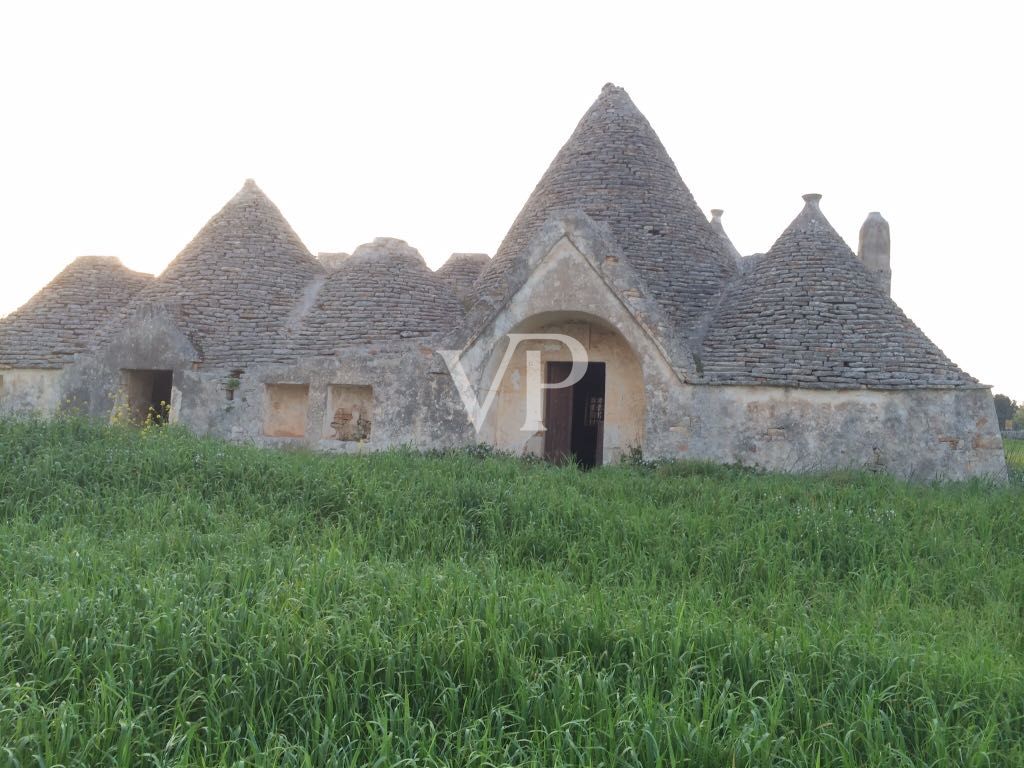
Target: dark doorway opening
147	395
574	416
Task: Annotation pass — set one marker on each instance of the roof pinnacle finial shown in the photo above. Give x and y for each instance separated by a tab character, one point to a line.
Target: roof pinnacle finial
812	199
718	229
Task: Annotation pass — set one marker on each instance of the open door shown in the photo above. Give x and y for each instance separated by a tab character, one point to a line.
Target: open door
574	416
558	415
147	394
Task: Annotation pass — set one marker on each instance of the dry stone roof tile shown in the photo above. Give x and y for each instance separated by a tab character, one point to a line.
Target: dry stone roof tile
234	286
461	272
808	314
64	318
616	170
383	293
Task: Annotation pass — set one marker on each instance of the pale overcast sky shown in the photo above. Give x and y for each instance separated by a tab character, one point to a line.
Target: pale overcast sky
126	126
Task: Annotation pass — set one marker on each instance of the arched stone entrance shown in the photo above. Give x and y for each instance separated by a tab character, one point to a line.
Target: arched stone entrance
597	420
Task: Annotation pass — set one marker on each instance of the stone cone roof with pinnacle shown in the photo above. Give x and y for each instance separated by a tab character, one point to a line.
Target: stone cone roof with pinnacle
808	314
232	288
616	170
63	318
383	293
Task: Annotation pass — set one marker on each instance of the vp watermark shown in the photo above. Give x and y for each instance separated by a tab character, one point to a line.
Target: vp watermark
535	384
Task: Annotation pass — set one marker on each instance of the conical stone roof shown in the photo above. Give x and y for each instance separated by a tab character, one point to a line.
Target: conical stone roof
616	170
461	272
808	314
384	292
234	286
64	317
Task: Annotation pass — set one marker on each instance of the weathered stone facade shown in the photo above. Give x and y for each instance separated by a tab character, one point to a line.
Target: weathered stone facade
793	360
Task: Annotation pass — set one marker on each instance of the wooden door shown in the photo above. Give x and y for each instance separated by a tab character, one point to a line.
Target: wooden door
558	415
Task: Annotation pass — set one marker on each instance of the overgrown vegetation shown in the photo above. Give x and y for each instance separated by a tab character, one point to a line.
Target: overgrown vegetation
174	601
1015	460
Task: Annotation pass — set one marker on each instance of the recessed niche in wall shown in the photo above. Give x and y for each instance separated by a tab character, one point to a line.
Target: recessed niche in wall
233	382
284	413
349	414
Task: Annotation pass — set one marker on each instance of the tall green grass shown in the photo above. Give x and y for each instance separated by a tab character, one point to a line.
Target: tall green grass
171	601
1015	460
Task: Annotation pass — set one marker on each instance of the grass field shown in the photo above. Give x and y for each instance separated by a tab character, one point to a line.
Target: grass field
1015	460
170	601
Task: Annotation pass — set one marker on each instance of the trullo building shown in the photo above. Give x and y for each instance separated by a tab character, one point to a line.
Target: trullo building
796	359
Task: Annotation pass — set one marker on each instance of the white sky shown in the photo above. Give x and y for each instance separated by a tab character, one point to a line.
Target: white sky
124	127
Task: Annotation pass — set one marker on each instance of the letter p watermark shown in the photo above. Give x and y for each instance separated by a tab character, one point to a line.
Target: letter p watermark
535	384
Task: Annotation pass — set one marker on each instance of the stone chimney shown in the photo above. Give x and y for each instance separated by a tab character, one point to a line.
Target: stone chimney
873	250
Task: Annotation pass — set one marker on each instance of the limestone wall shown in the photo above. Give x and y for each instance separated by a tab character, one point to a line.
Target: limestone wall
392	400
30	390
410	401
917	434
